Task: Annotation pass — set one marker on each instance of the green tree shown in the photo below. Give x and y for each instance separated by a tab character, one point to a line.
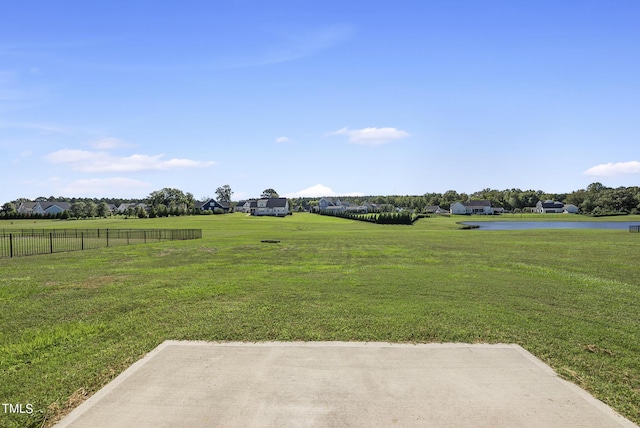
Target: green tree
269	193
91	209
79	209
140	212
224	193
103	210
9	208
167	196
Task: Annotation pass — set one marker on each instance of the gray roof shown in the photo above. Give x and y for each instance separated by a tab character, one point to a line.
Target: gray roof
65	206
276	202
552	204
477	203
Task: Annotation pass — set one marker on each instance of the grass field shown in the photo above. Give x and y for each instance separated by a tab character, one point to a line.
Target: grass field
71	322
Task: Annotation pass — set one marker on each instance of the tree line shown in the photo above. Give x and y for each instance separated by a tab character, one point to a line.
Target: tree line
160	203
596	199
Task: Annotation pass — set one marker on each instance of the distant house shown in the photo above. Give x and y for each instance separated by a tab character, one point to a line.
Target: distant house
53	207
212	204
548	206
26	207
482	207
240	207
278	207
43	207
332	204
124	208
434	209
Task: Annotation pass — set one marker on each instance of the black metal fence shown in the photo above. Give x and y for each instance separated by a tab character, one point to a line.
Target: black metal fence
27	242
634	228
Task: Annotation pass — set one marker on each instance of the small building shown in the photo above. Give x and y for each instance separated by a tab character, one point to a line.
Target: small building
212	205
549	207
481	207
278	207
43	207
434	209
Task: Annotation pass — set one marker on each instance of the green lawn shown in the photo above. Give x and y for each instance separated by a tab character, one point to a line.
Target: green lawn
71	322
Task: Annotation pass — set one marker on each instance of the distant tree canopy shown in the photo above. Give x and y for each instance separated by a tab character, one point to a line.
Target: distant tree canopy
224	193
169	196
596	199
269	193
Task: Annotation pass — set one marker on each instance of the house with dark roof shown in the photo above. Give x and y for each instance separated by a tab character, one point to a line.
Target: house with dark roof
480	206
212	204
278	207
239	208
550	207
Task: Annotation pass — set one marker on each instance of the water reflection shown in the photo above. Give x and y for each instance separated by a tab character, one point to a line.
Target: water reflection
526	225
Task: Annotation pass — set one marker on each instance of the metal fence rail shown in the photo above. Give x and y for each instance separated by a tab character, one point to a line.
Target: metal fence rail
27	242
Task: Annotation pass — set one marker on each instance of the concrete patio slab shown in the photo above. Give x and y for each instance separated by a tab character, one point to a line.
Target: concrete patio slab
340	384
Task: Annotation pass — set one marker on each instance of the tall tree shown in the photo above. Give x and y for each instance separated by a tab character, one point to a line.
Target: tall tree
9	208
79	209
269	193
103	210
168	196
224	193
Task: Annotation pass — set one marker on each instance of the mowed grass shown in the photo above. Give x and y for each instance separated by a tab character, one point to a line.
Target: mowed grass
71	322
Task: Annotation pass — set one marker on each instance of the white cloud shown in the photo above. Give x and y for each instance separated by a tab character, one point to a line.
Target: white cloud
317	191
282	140
107	187
371	136
109	143
87	161
44	128
612	169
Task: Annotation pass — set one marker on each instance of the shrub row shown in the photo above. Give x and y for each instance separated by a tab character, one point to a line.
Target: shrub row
381	218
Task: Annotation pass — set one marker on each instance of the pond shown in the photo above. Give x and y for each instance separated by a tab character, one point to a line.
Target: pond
526	225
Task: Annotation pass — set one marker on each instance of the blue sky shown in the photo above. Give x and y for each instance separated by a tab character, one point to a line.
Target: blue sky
311	98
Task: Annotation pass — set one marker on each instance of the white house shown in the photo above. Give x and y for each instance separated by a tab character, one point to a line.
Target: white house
278	207
570	209
549	206
482	207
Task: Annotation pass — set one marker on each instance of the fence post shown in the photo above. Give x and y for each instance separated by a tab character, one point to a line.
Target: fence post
128	234
11	245
82	239
51	242
145	236
107	231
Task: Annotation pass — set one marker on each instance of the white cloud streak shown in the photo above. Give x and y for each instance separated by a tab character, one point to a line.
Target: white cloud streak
87	161
283	140
318	191
371	136
614	169
109	143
